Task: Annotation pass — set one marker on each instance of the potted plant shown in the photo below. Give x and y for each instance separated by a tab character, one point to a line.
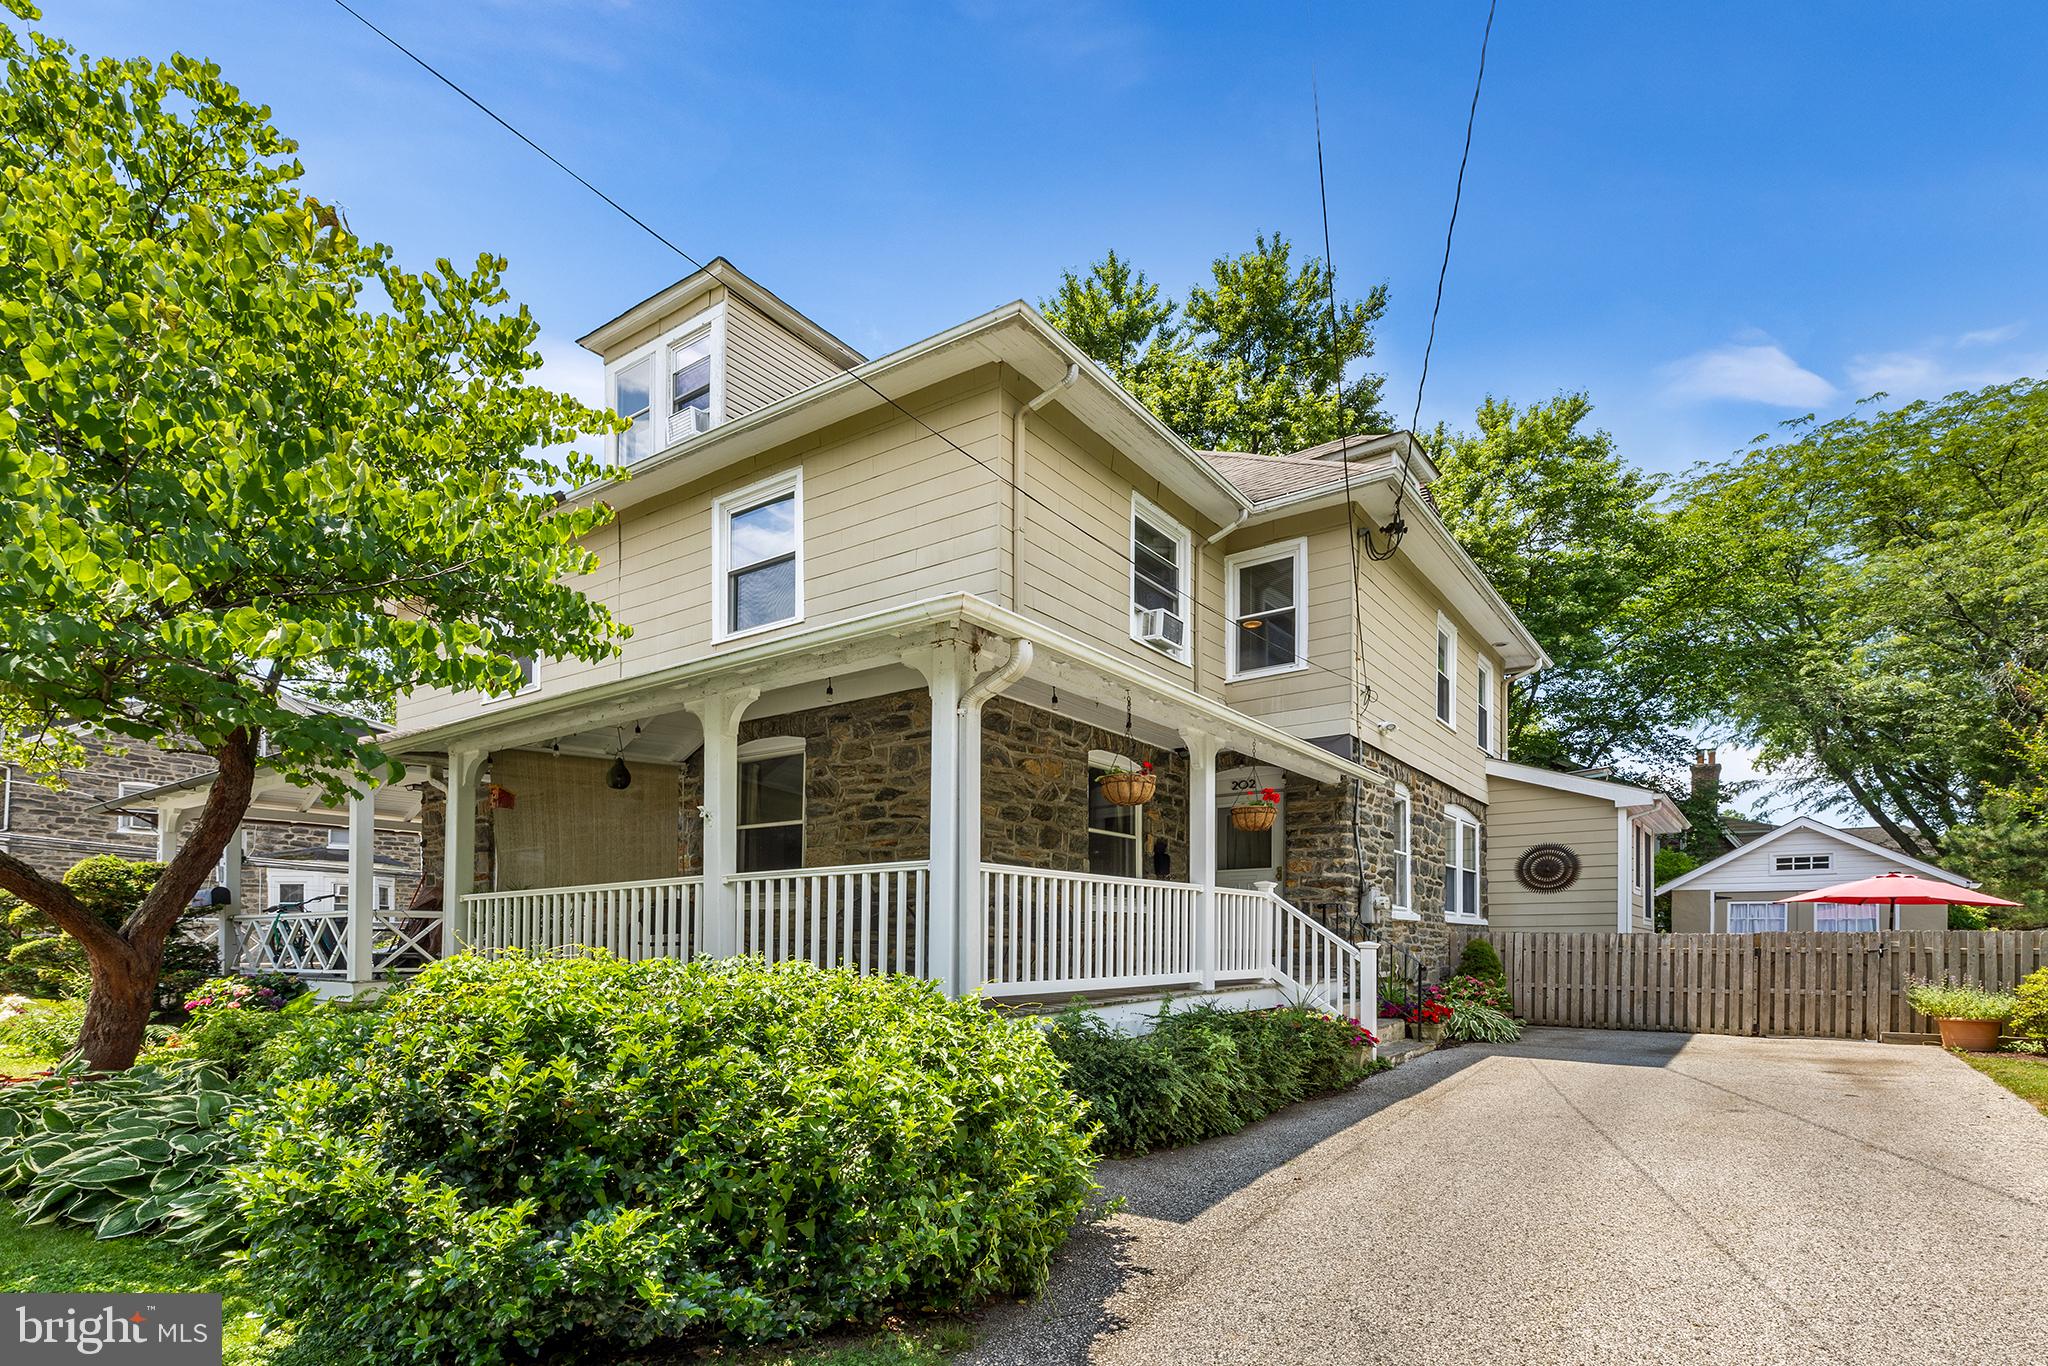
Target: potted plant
1969	1017
1257	810
1129	786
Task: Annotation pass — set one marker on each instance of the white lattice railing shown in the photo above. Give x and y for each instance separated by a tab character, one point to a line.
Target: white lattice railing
314	943
1052	931
655	918
871	917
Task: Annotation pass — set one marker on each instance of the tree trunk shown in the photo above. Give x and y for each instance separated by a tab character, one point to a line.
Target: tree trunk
117	1013
126	963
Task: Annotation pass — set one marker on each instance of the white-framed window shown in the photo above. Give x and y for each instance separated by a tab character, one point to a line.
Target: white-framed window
1842	917
124	822
1404	852
771	817
1162	552
529	680
387	894
1646	856
671	388
291	893
1266	592
337	837
1116	834
6	799
1484	686
1446	671
1461	865
758	556
1804	863
1756	917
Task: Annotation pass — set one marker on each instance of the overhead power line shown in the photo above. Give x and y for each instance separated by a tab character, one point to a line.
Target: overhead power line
1122	553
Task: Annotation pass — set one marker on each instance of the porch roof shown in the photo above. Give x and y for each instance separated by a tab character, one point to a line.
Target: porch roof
1073	666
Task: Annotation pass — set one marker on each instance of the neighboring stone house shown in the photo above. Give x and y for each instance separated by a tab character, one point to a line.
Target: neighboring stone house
896	620
291	858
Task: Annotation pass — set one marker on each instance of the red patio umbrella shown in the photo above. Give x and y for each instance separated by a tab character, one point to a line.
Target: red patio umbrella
1901	889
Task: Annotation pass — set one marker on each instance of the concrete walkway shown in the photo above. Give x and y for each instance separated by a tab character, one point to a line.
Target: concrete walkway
1583	1196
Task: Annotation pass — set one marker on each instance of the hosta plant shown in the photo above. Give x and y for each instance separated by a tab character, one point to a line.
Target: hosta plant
130	1152
1471	1022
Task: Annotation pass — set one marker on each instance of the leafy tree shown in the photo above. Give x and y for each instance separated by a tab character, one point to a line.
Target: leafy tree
1572	537
1865	597
1669	863
242	452
1248	362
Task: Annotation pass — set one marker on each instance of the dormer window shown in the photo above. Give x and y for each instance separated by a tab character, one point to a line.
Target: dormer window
689	383
670	388
633	399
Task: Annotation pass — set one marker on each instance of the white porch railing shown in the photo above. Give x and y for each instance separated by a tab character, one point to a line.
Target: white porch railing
1052	931
871	917
1323	969
656	918
314	943
1245	925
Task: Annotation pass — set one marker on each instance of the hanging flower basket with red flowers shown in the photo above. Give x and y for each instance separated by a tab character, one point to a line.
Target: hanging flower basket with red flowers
1129	786
1257	810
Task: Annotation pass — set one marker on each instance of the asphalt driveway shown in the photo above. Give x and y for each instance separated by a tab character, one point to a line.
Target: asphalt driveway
1583	1196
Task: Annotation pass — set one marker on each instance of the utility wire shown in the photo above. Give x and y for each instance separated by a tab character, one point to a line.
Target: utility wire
1122	553
1450	231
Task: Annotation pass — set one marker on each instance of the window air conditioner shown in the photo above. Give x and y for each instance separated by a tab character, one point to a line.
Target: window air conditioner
1157	626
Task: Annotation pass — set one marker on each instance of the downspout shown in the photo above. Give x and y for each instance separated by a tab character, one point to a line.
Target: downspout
1019	461
970	943
1018	664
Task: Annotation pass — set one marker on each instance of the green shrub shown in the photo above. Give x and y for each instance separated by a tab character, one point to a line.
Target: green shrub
1481	960
2030	1007
573	1157
1472	1022
1460	991
40	1029
317	1038
126	1152
1957	1001
1200	1073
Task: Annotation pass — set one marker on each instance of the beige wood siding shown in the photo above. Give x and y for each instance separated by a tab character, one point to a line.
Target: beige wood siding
1519	815
764	363
1400	610
1313	702
1077	527
891	514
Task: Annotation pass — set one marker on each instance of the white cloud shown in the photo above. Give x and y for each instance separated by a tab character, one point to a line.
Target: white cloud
1758	372
1896	372
1991	336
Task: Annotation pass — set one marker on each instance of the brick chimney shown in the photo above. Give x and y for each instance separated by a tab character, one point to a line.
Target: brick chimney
1706	775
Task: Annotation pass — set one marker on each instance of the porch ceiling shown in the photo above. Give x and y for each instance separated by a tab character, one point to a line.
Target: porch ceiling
865	656
276	799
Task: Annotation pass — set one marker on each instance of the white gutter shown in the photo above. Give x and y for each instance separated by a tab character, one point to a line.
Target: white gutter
1018	664
1020	459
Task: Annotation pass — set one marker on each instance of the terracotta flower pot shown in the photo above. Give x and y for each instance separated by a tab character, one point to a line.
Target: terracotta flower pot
1129	789
1972	1036
1255	817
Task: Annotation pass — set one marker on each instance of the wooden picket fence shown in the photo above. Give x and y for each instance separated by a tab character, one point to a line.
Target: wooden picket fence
1834	986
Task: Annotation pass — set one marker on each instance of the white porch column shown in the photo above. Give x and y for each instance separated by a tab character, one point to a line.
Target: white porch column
458	845
954	883
1202	749
231	878
362	885
720	716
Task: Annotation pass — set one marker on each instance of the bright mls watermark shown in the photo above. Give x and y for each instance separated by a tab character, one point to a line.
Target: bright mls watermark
162	1330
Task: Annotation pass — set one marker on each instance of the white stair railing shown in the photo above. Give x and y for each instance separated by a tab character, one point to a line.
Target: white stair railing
870	916
655	918
1052	932
1245	923
1323	969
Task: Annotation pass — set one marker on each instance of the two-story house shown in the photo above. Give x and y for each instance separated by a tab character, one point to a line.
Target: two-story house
895	619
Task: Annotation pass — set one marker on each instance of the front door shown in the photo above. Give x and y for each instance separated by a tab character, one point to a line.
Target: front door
1244	857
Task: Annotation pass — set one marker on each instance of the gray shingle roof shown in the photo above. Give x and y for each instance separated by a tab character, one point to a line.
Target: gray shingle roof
1266	478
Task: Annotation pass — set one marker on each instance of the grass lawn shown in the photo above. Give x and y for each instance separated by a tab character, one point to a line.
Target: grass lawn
20	1065
2020	1073
47	1258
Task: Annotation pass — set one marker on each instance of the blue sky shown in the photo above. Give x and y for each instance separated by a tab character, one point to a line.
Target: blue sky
1711	217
